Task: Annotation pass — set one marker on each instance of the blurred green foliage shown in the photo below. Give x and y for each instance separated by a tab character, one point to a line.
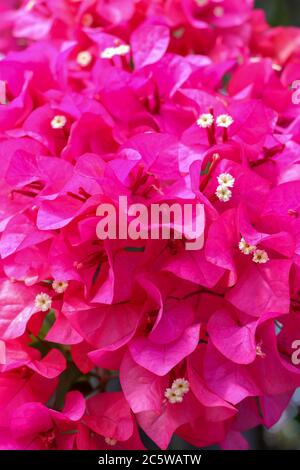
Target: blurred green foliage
281	12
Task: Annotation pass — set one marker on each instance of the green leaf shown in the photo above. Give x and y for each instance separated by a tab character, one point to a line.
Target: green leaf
178	33
66	380
70	432
131	63
206	170
134	249
278	11
42	346
259	409
96	273
48	322
225	81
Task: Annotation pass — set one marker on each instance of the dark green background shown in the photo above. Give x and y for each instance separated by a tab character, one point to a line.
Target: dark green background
281	12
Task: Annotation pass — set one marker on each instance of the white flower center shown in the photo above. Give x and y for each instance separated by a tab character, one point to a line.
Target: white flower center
205	120
58	122
224	120
260	257
43	302
226	179
181	385
176	392
84	58
111	52
59	286
245	247
223	193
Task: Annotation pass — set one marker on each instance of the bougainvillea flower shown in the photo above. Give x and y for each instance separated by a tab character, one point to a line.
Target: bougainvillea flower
166	104
108	423
33	426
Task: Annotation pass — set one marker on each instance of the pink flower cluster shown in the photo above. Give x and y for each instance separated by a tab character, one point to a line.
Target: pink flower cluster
161	101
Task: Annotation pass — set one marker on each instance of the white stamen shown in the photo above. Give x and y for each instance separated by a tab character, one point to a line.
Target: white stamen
84	58
58	122
177	391
111	52
173	396
223	193
245	247
59	286
205	120
43	302
224	120
123	49
226	179
108	53
181	385
260	257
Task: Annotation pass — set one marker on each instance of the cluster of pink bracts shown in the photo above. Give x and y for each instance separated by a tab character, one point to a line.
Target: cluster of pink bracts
161	101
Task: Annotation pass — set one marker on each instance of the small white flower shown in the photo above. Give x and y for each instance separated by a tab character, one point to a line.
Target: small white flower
205	120
223	193
84	58
226	179
59	286
43	302
224	120
173	396
218	12
123	49
110	441
181	385
245	247
110	52
58	122
260	256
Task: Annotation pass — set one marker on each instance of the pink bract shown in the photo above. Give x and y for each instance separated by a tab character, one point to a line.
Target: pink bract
162	102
